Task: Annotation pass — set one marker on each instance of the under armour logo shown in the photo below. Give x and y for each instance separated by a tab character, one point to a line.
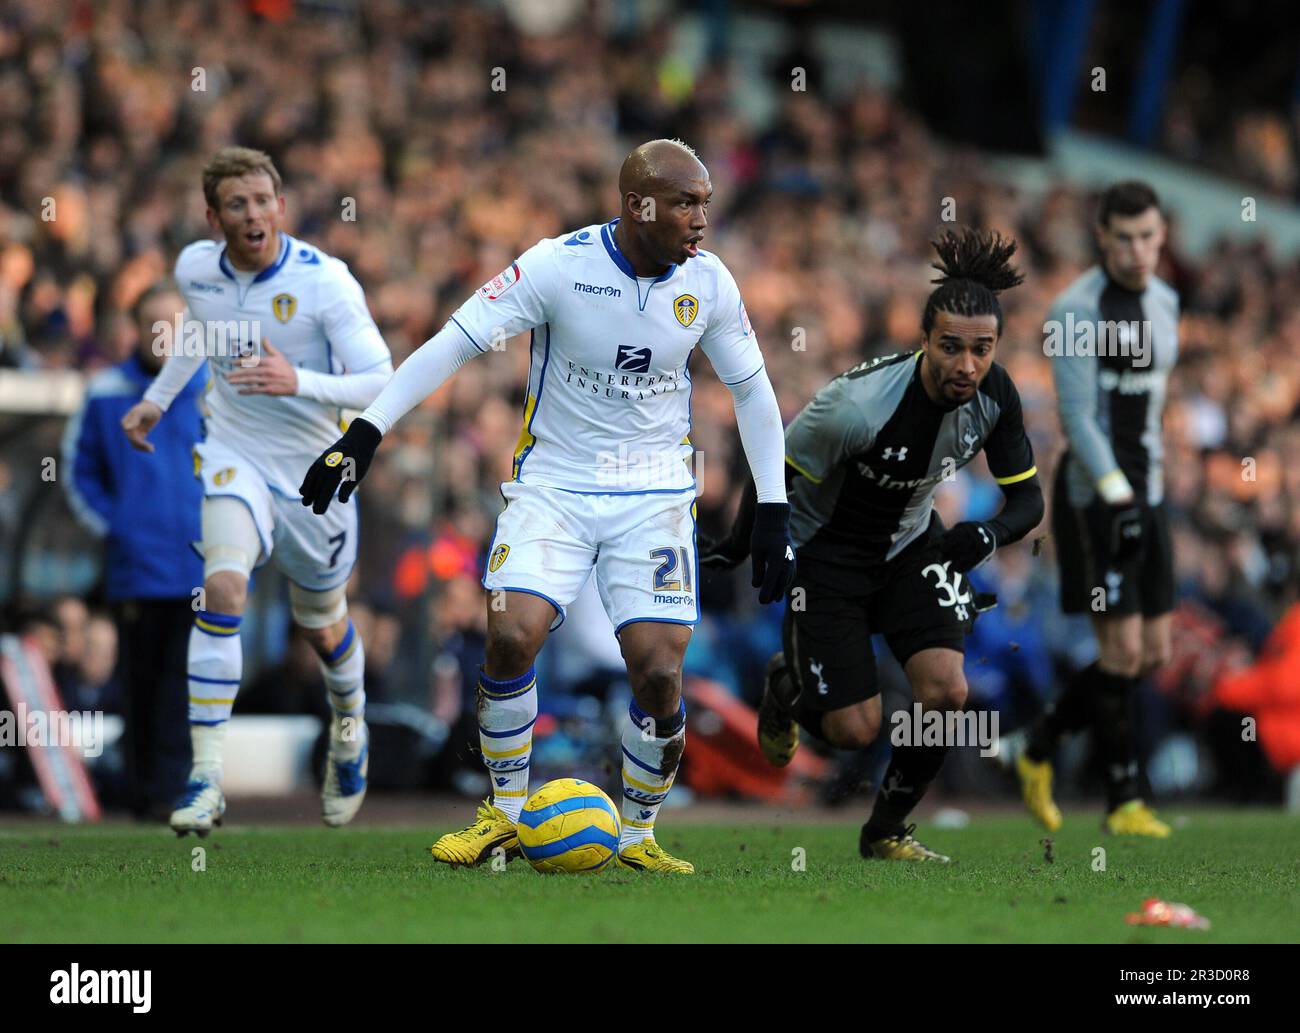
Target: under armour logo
895	453
816	668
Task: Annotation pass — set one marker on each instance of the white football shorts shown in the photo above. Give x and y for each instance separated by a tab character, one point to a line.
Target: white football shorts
314	552
641	545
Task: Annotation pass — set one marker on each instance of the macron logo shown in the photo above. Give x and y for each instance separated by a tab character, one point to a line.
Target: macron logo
589	288
102	987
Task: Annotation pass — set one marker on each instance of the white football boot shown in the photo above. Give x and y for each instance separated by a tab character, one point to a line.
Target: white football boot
200	807
345	780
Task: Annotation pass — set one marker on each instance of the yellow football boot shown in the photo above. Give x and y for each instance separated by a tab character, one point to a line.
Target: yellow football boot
778	734
1136	819
474	845
649	856
899	847
1036	788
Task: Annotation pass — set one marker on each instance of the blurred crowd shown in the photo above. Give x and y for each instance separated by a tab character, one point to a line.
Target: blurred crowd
459	139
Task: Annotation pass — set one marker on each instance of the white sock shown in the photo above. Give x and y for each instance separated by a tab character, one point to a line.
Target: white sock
507	711
344	671
214	665
652	749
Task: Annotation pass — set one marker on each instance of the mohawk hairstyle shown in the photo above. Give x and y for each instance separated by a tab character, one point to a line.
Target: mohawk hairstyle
975	267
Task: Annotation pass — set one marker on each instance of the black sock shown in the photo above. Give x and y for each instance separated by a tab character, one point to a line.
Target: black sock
1112	730
788	695
1072	712
910	772
809	718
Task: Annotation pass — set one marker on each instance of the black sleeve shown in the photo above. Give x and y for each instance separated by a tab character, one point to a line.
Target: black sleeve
1010	456
1021	511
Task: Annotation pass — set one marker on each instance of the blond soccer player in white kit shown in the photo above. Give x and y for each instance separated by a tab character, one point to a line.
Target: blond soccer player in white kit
601	476
290	344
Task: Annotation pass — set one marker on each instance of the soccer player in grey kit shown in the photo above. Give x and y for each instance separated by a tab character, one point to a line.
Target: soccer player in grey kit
1113	338
863	462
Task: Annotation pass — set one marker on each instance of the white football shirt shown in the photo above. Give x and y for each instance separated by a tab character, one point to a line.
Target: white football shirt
311	308
608	406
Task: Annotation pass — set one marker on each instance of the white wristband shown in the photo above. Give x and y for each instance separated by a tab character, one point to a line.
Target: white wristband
1114	488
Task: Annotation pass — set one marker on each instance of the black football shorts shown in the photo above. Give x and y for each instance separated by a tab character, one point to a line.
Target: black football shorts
916	601
1091	580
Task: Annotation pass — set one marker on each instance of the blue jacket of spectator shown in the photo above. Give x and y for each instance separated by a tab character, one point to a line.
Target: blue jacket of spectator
144	506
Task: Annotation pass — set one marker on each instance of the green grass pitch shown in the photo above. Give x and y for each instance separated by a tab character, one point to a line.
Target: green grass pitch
1240	869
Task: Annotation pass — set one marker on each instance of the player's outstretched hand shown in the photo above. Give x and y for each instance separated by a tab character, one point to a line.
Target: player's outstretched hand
139	420
722	554
773	551
968	545
1125	532
344	463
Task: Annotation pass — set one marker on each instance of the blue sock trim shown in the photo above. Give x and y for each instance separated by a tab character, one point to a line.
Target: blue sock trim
509	732
503	689
642	764
665	727
224	620
342	648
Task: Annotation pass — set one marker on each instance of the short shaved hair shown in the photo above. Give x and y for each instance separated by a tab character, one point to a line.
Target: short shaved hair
655	163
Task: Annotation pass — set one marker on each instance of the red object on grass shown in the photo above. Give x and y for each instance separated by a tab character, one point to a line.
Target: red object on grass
1161	912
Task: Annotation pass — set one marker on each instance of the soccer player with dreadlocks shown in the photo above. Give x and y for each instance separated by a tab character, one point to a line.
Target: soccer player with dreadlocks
863	461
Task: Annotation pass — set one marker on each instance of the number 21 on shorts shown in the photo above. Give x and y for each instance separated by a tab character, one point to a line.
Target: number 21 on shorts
668	564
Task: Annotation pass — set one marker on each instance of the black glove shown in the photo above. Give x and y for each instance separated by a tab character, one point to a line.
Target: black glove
773	551
1126	530
344	462
722	554
968	545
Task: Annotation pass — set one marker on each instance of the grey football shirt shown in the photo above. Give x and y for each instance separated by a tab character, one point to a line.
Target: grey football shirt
1111	351
872	449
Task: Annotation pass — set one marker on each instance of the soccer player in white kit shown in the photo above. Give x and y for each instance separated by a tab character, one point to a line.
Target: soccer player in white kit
601	476
265	416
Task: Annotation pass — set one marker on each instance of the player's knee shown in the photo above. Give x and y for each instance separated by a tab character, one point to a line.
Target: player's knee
658	687
851	728
1155	657
511	649
942	691
225	591
317	612
231	548
1125	660
324	640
